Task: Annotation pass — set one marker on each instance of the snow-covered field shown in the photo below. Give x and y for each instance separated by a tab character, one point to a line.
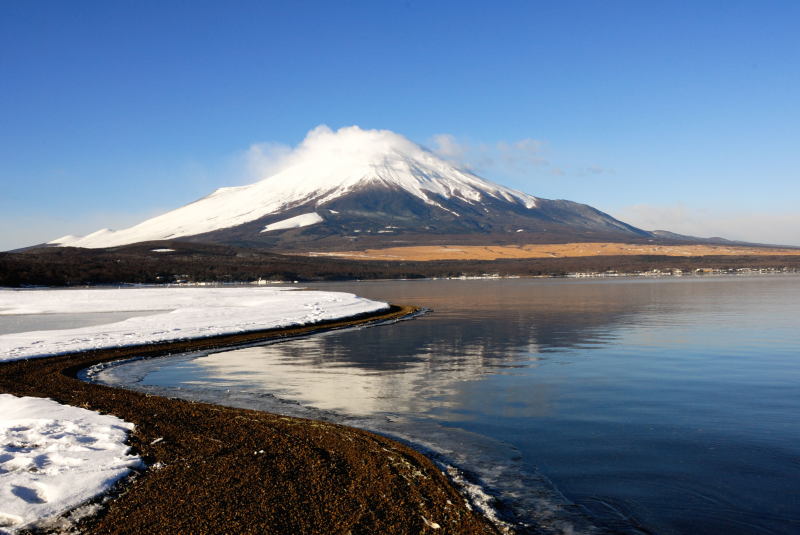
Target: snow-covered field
54	457
178	314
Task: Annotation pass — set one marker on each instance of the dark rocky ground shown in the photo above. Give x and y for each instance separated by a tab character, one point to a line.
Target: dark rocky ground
226	470
56	266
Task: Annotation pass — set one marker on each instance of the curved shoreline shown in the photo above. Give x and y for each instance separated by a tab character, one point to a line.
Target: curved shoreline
223	469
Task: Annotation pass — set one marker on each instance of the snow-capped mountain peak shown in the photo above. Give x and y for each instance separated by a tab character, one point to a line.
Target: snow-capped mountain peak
327	165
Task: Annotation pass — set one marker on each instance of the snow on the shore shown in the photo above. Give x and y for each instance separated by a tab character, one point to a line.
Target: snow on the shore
55	457
178	314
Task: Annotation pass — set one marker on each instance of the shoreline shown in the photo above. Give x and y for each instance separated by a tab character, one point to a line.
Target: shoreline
222	469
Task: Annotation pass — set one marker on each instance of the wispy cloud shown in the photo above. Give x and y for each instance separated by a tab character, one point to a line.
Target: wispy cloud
746	225
264	159
448	147
512	156
597	170
520	158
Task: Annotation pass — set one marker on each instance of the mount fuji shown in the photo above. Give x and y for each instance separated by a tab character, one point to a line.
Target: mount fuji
365	188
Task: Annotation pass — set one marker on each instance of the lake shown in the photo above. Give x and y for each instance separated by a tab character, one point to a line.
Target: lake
653	405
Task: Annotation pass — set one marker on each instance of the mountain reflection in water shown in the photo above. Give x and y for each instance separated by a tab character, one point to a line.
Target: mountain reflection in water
420	366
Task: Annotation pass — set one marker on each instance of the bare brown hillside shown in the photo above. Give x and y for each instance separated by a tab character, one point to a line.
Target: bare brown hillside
558	250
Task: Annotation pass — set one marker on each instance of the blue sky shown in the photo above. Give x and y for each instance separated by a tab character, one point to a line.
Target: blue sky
676	115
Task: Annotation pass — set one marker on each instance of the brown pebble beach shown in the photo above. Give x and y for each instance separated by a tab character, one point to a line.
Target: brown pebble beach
214	469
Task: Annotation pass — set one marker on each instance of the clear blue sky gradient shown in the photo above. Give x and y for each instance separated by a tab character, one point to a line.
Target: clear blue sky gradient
663	113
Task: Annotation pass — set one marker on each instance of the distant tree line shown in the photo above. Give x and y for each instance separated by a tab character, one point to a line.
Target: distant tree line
56	266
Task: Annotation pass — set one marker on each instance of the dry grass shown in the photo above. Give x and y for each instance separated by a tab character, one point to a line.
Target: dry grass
560	250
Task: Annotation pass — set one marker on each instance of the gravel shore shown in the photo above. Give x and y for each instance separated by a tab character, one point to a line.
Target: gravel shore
217	469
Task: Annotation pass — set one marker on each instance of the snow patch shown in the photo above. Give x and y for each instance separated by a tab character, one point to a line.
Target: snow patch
180	314
303	220
58	241
55	457
162	250
479	498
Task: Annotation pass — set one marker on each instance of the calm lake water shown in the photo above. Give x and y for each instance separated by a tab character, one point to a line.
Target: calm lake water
656	406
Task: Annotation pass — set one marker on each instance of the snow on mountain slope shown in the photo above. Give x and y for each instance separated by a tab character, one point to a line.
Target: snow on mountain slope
325	166
302	220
